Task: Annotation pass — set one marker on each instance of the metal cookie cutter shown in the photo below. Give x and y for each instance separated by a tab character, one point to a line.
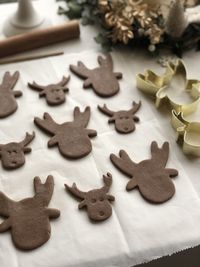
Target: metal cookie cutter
188	134
175	76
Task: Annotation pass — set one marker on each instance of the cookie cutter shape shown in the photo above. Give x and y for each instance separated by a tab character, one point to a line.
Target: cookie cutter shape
150	176
158	86
188	134
124	120
29	219
54	93
8	103
102	79
96	201
12	155
72	138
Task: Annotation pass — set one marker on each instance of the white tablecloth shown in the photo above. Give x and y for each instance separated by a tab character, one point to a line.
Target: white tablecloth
138	231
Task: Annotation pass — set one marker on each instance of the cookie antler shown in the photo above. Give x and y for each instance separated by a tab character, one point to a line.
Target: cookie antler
64	81
160	155
135	108
124	163
43	192
82	118
107	182
106	110
75	191
41	88
47	124
28	138
9	80
107	62
80	70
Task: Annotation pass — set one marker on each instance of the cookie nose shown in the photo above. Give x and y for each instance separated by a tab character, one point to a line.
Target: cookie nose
101	213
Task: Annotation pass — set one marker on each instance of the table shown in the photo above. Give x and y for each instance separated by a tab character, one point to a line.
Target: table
135	62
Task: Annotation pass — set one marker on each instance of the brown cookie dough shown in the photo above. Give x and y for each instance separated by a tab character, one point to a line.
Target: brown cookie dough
29	219
124	120
72	138
8	103
97	201
54	93
12	155
150	176
102	79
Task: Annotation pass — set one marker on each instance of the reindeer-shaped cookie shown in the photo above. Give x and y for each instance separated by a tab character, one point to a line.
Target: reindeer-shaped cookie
12	155
102	79
29	219
72	138
124	120
8	103
54	93
97	201
150	176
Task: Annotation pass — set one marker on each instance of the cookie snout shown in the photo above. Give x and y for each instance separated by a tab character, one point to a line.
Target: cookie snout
125	125
55	96
99	212
12	158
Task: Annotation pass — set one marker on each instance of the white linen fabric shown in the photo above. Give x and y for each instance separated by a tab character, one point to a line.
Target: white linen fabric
137	231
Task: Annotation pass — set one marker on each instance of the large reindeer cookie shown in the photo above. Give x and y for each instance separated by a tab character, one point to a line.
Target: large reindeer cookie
102	79
150	176
12	155
124	120
8	103
54	93
97	201
29	219
72	138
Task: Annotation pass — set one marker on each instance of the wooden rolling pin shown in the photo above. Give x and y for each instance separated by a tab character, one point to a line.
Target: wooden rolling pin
39	38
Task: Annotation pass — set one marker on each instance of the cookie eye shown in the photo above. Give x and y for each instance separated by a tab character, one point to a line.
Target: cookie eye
9	152
93	200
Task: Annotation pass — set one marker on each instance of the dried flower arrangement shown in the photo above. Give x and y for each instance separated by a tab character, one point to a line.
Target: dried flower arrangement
153	24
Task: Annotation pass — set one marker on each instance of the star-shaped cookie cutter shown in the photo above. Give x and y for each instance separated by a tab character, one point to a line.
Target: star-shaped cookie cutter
157	86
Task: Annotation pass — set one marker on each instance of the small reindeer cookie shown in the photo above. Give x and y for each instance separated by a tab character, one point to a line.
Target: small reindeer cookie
124	120
150	176
12	155
102	79
97	201
72	138
8	103
29	219
54	93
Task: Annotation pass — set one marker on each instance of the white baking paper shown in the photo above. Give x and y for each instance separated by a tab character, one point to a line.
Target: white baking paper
138	231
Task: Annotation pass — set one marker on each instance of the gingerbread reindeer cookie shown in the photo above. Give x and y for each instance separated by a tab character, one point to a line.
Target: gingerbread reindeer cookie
12	155
124	120
97	201
102	79
8	103
29	219
72	138
150	176
54	93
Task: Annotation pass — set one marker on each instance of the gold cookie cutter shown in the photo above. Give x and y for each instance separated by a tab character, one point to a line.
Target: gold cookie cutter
155	85
188	133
